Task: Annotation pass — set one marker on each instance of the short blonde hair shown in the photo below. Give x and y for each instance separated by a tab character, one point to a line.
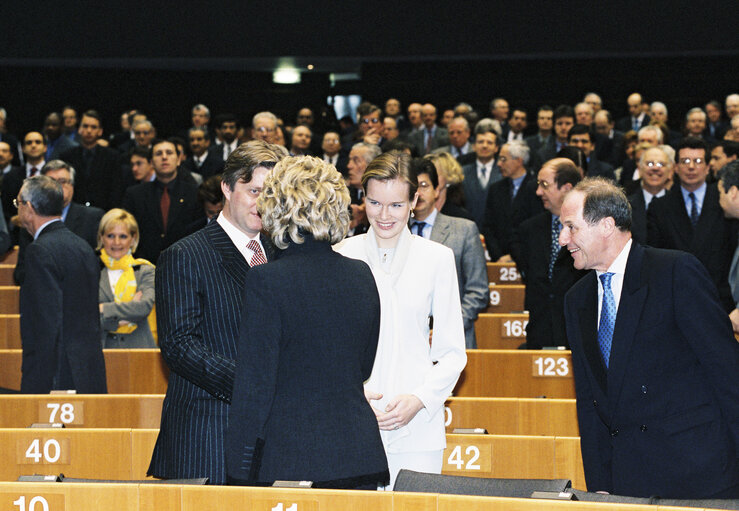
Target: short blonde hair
391	166
303	194
117	216
447	166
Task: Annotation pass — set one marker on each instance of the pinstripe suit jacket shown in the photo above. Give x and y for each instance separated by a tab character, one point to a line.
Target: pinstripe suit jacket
199	294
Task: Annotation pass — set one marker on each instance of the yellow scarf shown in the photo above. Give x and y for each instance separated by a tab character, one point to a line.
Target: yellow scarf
125	288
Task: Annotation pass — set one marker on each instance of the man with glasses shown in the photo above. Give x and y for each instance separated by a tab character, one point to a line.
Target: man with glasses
655	173
689	217
81	220
264	127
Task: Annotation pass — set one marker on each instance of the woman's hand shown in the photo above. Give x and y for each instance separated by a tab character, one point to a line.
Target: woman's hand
399	412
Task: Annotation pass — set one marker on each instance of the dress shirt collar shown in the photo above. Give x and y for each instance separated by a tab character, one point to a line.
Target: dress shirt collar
7	168
648	196
65	210
38	168
517	183
238	237
429	221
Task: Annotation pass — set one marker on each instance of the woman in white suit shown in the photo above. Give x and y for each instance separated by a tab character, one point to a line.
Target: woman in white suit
417	280
126	291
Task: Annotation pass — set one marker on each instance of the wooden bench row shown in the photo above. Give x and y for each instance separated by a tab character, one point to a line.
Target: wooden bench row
489	373
499	416
493	331
150	497
125	454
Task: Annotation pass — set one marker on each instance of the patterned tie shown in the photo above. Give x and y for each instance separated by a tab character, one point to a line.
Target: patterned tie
607	318
482	174
693	208
258	257
419	227
428	141
554	248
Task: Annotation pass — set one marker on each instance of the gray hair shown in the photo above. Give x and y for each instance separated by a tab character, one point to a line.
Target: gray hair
658	104
57	165
44	194
371	152
694	110
604	199
670	158
519	150
203	129
266	115
654	129
201	106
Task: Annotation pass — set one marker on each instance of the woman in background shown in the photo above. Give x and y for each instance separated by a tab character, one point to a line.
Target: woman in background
417	280
126	292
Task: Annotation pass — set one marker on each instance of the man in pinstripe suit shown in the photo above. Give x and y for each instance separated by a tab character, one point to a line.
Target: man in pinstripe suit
199	283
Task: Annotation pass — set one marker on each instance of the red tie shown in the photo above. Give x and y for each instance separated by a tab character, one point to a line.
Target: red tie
258	257
33	171
164	205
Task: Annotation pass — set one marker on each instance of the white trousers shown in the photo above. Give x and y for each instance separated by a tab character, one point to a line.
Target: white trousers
423	461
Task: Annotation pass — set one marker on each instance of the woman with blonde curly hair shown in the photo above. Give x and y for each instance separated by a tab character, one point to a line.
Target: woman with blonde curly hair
307	344
451	190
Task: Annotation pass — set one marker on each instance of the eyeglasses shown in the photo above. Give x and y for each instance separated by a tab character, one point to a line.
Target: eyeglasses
688	161
17	202
544	184
373	120
652	164
63	181
265	130
424	184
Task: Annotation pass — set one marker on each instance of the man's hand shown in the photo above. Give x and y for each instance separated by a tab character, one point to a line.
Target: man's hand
734	317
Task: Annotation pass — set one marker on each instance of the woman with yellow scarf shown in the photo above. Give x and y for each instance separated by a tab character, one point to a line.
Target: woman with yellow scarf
126	292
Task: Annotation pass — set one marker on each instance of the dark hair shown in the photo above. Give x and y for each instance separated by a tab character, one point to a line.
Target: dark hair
604	199
692	143
203	129
399	145
210	191
580	129
563	111
730	147
544	108
424	166
177	141
519	109
576	155
228	117
245	158
94	114
565	172
44	194
729	175
143	152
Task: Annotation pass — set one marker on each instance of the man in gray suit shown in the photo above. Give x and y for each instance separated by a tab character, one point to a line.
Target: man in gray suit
728	197
459	234
199	286
429	136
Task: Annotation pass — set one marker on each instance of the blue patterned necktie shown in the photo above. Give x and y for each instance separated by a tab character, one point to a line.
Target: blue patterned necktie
607	318
419	228
693	208
554	248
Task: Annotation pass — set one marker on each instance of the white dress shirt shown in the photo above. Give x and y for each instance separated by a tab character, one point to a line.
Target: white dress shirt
239	238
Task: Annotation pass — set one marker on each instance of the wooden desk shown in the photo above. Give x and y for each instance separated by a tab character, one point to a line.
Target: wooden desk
6	274
503	273
10	257
127	371
10	331
82	410
501	331
512	416
9	302
505	299
517	373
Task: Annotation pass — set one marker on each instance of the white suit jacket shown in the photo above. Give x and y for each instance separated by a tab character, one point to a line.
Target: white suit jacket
422	282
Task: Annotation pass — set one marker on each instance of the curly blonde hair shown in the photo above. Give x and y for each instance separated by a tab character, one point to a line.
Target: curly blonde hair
303	194
447	166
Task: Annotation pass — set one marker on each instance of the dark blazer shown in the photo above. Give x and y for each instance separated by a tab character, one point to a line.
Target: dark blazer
212	165
544	299
545	153
535	143
298	398
611	150
101	184
143	200
664	418
712	240
81	220
475	196
463	238
440	138
600	168
624	124
502	214
60	329
199	297
62	145
11	185
626	179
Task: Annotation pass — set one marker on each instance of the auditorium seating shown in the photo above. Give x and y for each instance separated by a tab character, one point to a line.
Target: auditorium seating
505	298
6	274
9	303
125	453
10	257
137	371
503	273
409	480
10	331
501	331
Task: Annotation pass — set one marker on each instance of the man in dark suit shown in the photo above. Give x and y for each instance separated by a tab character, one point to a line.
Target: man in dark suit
60	325
429	136
654	359
722	153
331	151
56	142
611	150
203	160
581	136
481	174
545	122
8	173
715	127
459	234
564	119
99	177
656	170
545	267
728	189
690	218
199	284
81	220
510	201
636	118
459	141
165	207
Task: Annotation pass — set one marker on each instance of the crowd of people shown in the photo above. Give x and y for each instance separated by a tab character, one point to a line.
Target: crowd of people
354	348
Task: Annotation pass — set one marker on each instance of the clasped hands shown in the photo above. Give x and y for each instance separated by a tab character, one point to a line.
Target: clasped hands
398	412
